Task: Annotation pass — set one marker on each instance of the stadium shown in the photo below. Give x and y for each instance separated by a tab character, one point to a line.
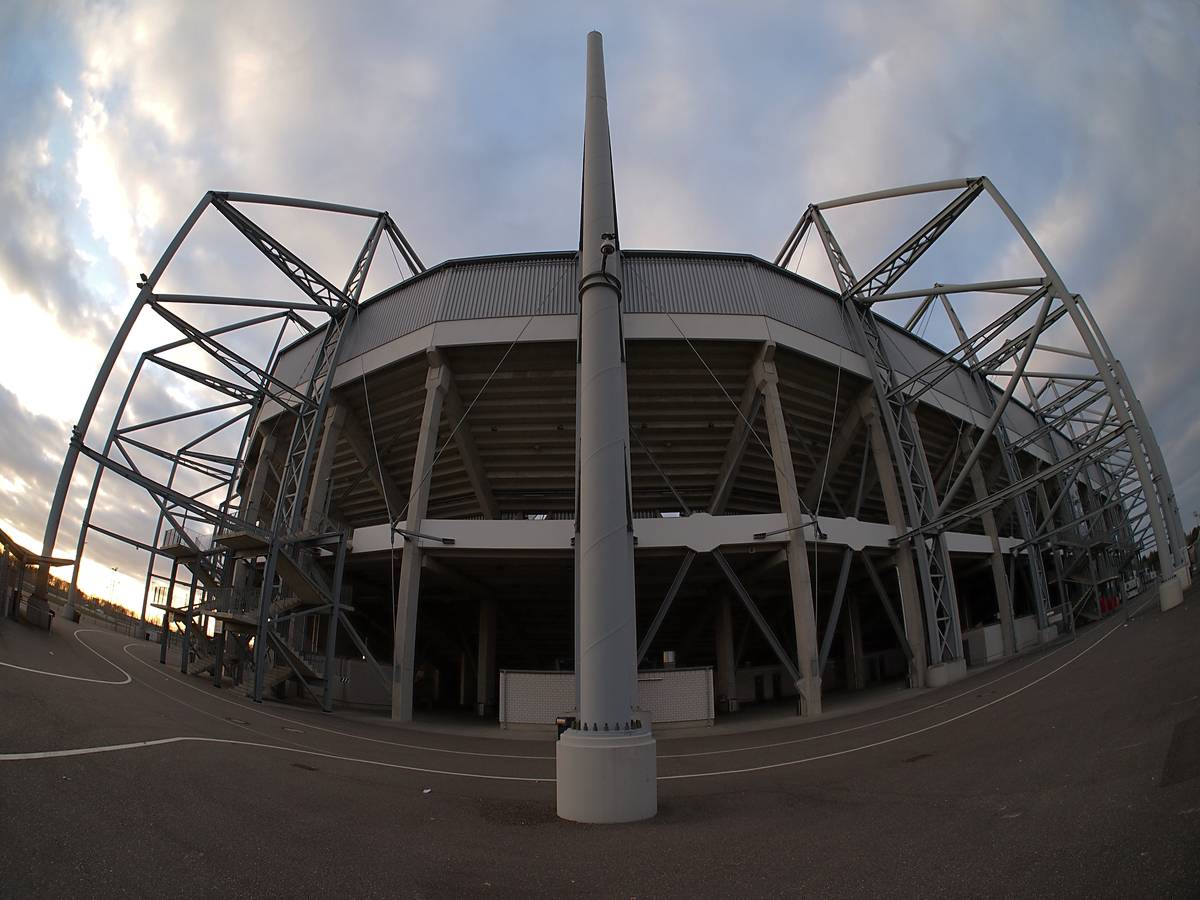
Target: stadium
373	501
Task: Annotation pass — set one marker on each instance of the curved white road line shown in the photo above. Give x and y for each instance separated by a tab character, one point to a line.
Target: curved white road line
1041	658
308	725
899	737
128	678
138	745
83	751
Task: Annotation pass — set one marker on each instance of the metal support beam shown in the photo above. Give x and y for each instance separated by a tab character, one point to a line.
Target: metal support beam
665	607
735	450
468	452
757	617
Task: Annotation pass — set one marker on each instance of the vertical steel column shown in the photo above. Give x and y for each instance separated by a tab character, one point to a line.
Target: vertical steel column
331	624
166	620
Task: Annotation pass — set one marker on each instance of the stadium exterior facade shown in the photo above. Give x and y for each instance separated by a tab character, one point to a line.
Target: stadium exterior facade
820	499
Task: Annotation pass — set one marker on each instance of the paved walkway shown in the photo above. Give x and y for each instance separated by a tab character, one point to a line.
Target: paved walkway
1073	771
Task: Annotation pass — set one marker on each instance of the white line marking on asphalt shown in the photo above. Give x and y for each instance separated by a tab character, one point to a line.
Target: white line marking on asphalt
360	737
828	734
315	753
138	745
128	678
899	737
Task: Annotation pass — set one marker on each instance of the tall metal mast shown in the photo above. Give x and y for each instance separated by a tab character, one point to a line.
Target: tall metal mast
606	764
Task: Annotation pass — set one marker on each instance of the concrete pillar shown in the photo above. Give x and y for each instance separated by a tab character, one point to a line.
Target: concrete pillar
725	687
910	594
999	577
803	613
409	588
485	671
852	647
252	504
318	492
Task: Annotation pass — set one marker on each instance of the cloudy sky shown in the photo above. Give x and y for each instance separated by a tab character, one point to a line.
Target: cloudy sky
464	121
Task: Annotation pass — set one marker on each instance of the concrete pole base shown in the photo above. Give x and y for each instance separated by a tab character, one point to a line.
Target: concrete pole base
1170	593
1185	577
606	777
945	673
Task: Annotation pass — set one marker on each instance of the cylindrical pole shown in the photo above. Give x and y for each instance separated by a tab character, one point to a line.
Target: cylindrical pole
606	764
607	617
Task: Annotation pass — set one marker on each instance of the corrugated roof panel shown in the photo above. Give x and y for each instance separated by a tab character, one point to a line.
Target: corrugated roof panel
409	307
546	284
688	284
511	287
800	305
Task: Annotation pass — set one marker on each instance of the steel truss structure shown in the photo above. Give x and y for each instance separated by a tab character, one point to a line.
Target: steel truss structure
209	518
241	479
1113	483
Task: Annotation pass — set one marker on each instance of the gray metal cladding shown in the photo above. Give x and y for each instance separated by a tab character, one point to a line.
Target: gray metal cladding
404	310
677	283
689	284
543	286
295	363
796	303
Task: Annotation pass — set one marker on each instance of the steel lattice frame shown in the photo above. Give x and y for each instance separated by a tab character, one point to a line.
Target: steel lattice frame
1115	455
206	356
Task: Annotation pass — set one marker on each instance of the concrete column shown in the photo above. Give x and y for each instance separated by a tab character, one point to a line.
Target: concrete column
999	577
807	642
726	674
485	671
856	674
258	479
409	588
318	492
910	594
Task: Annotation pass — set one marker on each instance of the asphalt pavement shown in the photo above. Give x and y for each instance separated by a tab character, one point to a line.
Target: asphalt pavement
1072	771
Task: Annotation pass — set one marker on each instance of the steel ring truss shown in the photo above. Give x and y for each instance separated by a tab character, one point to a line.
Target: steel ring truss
1103	504
191	462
